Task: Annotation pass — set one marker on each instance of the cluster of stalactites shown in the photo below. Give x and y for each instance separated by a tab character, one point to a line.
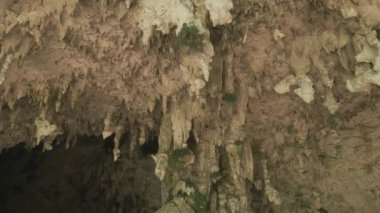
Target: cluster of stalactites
314	50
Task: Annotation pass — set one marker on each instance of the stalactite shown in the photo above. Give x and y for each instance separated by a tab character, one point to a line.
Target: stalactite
118	134
142	137
222	72
44	128
5	67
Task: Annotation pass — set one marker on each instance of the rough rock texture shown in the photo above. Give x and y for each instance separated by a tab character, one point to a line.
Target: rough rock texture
255	104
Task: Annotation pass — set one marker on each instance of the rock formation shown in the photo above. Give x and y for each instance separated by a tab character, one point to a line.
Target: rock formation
255	104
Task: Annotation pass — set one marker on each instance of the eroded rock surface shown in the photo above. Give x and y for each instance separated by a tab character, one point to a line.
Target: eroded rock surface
255	104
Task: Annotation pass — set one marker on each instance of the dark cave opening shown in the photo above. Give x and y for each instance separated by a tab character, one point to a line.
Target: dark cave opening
109	143
80	179
192	142
150	147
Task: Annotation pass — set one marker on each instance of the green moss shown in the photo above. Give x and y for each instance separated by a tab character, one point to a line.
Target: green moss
216	175
229	97
378	33
199	202
334	121
134	3
188	38
190	182
322	157
176	155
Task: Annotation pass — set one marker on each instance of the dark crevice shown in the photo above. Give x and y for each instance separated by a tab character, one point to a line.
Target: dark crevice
109	143
80	179
150	147
260	201
192	142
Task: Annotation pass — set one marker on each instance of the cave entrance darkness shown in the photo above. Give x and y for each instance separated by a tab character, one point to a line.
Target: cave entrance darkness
80	179
150	147
192	142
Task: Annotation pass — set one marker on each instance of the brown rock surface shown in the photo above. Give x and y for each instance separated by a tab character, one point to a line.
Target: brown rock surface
266	105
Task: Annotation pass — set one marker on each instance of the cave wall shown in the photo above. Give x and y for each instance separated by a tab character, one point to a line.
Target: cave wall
281	97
